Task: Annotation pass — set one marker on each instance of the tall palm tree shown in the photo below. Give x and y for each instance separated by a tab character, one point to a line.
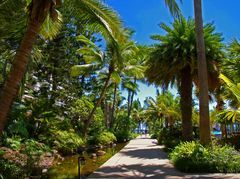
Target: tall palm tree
205	131
174	60
92	12
116	59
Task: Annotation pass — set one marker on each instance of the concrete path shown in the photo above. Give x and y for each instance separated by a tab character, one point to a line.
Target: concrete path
143	158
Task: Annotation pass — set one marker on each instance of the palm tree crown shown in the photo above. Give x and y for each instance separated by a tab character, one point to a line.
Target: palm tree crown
174	61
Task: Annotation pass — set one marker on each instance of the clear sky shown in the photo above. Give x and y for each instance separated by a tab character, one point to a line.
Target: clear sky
144	16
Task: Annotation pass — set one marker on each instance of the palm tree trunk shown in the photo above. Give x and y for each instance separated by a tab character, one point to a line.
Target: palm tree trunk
104	106
205	134
186	103
113	105
219	108
132	96
90	117
128	103
11	86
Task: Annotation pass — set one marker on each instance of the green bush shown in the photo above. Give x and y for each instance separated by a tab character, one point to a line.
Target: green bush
34	148
1	152
123	136
11	170
13	142
193	157
170	137
106	138
67	142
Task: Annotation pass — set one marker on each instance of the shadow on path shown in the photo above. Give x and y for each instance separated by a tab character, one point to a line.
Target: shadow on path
142	158
148	153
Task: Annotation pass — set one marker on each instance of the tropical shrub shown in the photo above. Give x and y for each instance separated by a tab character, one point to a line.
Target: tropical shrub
97	125
14	142
124	127
80	111
67	142
123	136
193	157
34	148
106	138
170	137
11	170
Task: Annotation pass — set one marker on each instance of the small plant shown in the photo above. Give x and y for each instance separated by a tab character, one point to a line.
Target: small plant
67	141
10	170
170	137
193	157
106	138
13	142
1	152
35	148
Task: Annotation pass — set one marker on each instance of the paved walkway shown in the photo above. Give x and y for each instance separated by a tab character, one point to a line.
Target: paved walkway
142	158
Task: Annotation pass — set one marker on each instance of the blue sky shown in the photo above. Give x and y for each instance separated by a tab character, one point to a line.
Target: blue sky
144	16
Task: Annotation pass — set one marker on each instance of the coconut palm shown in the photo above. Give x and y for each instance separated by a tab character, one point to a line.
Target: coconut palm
231	65
92	12
174	61
163	112
137	62
117	59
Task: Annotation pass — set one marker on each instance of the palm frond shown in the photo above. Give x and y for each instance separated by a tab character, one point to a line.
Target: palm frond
77	70
99	18
231	86
173	7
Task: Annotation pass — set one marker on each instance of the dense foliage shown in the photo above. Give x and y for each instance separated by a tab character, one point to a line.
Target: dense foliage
193	157
62	73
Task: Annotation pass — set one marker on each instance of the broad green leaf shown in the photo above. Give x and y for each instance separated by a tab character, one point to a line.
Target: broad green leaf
85	40
232	87
83	69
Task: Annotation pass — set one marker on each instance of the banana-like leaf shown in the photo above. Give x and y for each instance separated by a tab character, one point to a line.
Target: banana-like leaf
77	70
231	86
85	40
91	55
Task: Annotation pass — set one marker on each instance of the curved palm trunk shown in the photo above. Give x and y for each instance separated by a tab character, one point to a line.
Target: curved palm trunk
219	108
129	101
205	133
113	105
186	103
11	86
132	96
103	92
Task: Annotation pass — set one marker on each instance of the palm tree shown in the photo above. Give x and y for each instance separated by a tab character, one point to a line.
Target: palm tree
116	59
231	65
174	60
205	131
164	107
137	62
232	114
92	12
